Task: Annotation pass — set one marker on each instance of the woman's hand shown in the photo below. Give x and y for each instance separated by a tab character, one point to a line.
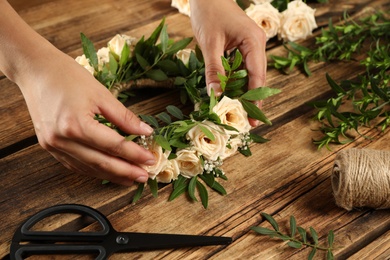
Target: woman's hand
221	25
63	99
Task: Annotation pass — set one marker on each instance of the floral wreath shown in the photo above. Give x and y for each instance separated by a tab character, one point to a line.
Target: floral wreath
189	149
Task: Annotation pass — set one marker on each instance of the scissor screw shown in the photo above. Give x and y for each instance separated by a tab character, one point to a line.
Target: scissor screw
122	240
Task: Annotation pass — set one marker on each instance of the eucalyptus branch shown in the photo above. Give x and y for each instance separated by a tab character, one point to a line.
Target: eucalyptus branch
291	238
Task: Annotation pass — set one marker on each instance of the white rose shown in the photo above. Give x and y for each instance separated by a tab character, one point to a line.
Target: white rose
234	144
266	17
160	157
210	149
183	6
189	163
83	61
231	113
297	22
117	43
103	55
184	56
169	173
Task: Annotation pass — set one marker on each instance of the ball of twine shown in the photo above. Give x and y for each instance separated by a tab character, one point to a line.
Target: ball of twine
361	178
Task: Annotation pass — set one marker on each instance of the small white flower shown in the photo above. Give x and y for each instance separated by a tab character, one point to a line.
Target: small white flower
297	22
183	6
189	163
266	17
83	61
232	113
210	149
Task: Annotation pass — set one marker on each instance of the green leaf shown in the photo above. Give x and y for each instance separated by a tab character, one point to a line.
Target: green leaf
239	74
124	55
150	120
153	187
336	88
142	61
237	60
225	64
163	116
113	64
177	46
207	132
191	188
303	234
203	194
178	190
314	235
138	192
330	238
156	74
213	101
155	34
236	84
163	142
260	93
295	244
293	226
89	51
257	138
254	112
175	112
164	39
271	220
329	255
312	253
264	231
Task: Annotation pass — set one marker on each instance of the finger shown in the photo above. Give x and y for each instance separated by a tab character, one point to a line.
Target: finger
115	112
104	139
86	160
212	57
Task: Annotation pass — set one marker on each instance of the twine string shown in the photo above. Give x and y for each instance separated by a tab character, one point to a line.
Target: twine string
361	178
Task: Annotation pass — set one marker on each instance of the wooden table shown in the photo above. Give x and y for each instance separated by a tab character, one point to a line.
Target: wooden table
286	176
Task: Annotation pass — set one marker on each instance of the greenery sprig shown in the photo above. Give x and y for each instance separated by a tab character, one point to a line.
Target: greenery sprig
291	238
363	101
153	62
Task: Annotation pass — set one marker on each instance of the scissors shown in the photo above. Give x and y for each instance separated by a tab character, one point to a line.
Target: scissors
27	242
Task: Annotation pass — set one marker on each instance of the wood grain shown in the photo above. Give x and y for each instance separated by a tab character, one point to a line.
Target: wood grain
286	176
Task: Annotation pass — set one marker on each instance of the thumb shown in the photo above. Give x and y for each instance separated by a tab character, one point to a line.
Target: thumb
212	58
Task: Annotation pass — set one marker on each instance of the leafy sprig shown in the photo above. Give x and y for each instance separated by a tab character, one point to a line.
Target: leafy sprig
338	42
363	101
308	239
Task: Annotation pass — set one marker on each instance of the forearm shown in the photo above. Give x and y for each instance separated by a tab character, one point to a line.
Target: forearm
21	48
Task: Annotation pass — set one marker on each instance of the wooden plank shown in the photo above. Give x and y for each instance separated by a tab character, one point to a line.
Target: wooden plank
179	27
378	249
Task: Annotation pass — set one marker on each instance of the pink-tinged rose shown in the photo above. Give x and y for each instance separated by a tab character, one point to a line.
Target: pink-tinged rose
184	56
169	173
189	163
232	113
266	17
116	44
297	22
210	149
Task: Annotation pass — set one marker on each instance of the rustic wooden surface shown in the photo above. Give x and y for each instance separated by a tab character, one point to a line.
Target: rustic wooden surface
286	176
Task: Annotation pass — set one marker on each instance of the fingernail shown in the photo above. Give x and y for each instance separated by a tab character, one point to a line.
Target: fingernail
216	87
146	128
142	179
150	162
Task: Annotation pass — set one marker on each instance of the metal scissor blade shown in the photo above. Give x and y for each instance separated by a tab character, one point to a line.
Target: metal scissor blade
133	241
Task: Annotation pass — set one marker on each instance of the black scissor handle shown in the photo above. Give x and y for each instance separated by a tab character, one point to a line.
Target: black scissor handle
38	238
